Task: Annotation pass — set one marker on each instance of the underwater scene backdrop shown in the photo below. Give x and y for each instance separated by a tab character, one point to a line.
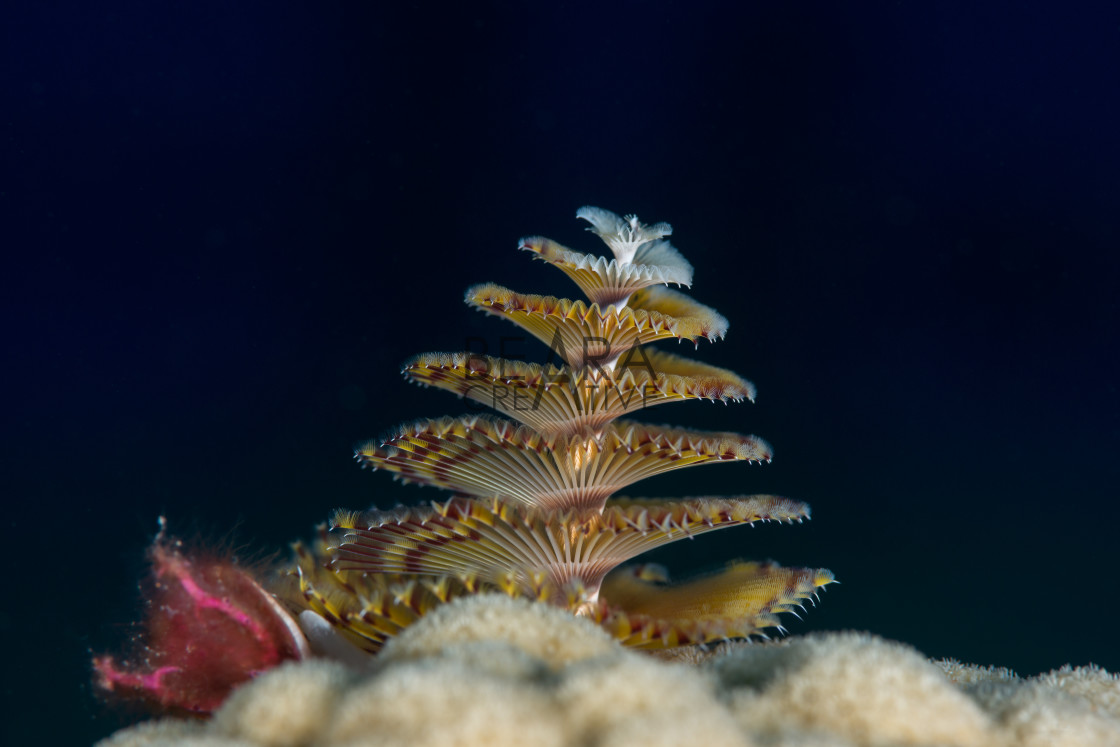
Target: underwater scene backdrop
227	227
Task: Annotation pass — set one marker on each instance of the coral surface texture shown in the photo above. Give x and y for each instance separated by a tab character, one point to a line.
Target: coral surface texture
490	670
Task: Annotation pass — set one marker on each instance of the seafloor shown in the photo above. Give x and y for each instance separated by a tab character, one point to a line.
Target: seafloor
495	671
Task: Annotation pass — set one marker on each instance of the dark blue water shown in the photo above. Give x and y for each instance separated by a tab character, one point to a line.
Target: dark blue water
225	227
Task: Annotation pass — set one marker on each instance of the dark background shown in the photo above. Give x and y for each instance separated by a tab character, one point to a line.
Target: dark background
225	227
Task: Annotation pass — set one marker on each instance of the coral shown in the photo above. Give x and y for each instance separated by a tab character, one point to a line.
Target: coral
542	631
463	679
1089	682
1068	706
286	707
967	674
534	512
851	685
